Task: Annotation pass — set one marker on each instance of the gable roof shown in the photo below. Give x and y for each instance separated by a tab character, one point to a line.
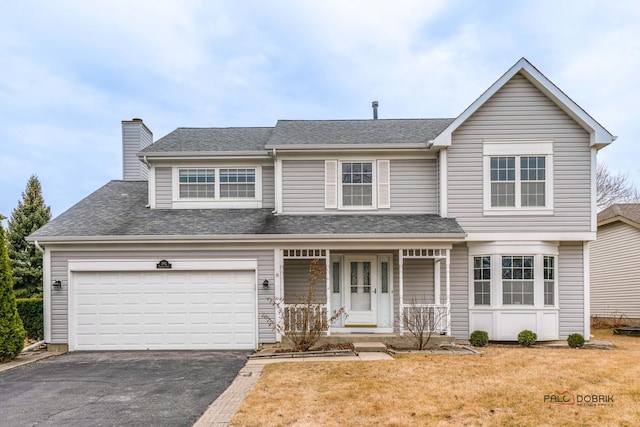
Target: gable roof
355	133
210	140
117	212
628	213
600	137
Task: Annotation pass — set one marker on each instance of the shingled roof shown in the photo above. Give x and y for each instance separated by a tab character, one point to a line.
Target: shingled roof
627	212
209	140
308	133
356	132
118	210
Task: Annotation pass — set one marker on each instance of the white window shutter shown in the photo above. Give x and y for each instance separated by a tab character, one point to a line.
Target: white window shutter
331	184
384	184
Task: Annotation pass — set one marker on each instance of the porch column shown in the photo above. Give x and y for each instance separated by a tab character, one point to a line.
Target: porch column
401	290
436	280
278	285
327	270
448	284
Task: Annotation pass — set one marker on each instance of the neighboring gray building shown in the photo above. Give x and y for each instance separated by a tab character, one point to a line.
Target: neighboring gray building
486	219
615	263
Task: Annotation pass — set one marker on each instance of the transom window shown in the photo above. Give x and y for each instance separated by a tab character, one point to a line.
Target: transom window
216	184
357	184
197	183
517	280
518	181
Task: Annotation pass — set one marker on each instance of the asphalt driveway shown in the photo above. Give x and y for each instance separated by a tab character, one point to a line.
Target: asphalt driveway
153	388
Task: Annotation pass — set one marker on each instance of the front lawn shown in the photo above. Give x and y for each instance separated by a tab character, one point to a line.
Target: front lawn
504	386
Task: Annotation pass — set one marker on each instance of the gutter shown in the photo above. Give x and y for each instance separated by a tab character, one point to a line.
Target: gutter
38	247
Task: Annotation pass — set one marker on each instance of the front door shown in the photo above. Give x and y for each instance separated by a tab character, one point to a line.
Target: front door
361	290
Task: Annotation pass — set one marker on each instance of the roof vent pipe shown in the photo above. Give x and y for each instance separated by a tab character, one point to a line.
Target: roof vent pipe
374	105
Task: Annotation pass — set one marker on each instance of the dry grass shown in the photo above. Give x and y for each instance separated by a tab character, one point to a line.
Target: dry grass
504	386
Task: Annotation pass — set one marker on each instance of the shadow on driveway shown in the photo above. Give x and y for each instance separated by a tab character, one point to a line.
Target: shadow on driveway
152	388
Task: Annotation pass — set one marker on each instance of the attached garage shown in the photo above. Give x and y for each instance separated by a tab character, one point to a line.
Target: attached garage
194	305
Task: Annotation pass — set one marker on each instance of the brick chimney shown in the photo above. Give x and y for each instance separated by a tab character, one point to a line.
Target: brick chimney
135	137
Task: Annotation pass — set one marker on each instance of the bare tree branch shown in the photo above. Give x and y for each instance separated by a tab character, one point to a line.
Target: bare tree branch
612	189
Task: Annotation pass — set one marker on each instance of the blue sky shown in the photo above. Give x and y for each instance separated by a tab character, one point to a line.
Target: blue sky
71	71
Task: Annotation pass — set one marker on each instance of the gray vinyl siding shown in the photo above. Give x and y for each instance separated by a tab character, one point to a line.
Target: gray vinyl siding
413	186
459	277
296	280
302	186
268	188
520	111
59	271
163	188
615	271
418	281
571	289
134	138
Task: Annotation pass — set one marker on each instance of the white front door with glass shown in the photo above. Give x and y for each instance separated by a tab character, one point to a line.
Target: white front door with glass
361	289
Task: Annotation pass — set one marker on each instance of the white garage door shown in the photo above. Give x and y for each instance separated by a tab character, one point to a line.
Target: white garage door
160	310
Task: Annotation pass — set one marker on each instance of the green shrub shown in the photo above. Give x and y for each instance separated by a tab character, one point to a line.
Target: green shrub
575	341
527	338
30	310
479	338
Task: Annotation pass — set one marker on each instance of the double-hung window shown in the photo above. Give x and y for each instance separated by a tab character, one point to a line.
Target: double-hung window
518	177
197	183
357	184
237	183
482	280
517	280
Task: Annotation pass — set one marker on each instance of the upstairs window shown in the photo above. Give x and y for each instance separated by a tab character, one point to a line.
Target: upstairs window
197	183
238	183
200	187
357	184
518	177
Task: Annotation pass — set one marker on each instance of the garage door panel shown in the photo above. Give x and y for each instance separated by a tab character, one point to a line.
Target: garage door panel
164	310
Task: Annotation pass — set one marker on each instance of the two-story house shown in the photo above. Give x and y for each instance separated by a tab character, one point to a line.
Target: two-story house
485	220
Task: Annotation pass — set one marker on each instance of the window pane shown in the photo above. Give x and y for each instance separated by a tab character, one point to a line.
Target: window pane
354	277
196	183
482	280
357	184
237	183
384	269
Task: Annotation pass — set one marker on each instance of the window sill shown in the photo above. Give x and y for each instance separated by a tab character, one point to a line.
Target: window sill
218	204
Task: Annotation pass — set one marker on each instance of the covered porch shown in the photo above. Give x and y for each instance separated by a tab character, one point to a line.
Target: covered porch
379	289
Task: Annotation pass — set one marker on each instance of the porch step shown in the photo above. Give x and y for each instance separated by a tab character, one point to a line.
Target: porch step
364	347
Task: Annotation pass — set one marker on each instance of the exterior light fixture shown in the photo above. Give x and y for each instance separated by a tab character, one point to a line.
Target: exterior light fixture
265	284
57	285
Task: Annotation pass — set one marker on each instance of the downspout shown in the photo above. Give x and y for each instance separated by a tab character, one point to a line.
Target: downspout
38	247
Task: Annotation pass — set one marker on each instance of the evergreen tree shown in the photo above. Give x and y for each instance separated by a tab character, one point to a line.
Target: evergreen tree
25	259
12	333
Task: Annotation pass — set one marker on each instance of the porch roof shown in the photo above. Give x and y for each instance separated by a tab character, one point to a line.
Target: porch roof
117	212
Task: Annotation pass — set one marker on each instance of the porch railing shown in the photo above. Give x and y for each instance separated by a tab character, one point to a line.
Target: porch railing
301	317
428	318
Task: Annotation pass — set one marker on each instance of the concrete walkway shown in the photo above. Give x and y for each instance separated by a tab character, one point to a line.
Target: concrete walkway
220	412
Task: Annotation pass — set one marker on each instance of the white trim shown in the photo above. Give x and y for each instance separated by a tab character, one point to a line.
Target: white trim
448	284
594	193
517	147
444	183
151	185
150	265
47	283
586	255
512	248
278	286
328	286
400	290
278	184
599	135
528	236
